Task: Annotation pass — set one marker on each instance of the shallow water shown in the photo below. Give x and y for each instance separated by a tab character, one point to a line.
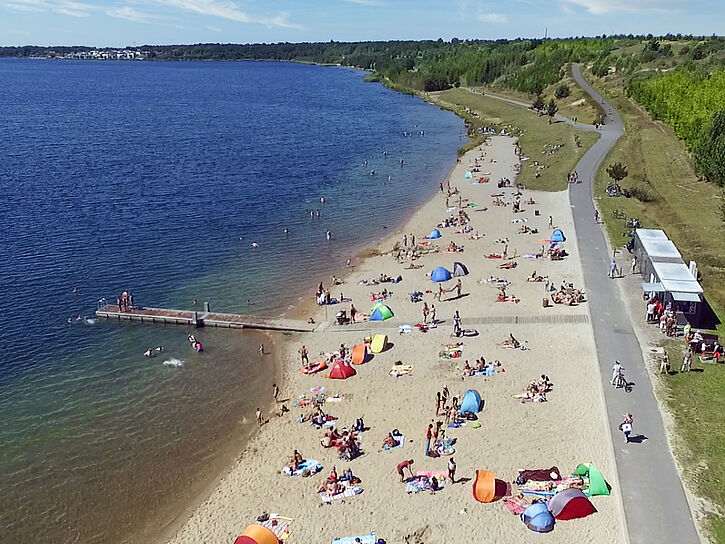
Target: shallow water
157	177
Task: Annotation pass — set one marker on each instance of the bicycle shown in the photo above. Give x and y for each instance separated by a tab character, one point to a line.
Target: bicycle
618	214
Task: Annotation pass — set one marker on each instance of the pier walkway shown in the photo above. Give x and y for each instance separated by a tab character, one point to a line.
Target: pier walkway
203	318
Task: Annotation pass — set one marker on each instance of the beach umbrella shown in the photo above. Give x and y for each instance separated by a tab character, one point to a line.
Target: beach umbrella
434	234
440	274
380	312
467	175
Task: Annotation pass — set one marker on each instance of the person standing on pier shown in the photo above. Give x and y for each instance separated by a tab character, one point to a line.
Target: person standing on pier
130	300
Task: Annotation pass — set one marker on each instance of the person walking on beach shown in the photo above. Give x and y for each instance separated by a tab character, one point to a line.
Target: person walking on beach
402	466
260	421
275	392
551	222
457	323
412	240
452	470
303	355
459	288
444	396
425	312
261	349
433	314
353	313
428	436
405	240
438	403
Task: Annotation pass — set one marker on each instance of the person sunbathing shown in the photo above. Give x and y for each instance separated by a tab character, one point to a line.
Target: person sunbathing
508	265
481	365
295	461
389	441
468	370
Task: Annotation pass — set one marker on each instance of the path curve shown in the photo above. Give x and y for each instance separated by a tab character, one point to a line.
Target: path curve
655	504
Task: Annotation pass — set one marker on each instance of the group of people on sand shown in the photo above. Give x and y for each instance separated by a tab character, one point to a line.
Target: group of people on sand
335	484
536	391
479	366
567	295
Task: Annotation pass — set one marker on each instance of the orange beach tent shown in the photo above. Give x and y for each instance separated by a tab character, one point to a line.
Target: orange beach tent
256	534
484	486
359	351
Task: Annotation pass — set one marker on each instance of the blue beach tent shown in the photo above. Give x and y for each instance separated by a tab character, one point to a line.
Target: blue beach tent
381	312
471	403
434	234
538	518
558	236
440	274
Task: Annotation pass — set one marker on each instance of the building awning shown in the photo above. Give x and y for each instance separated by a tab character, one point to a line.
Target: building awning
651	234
652	287
660	249
686	297
674	286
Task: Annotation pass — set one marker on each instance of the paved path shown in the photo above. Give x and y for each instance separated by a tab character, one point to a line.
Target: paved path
655	505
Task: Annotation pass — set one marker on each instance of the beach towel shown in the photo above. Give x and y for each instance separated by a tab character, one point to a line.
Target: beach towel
346	494
420	484
364	539
399	442
308	464
516	505
405	329
439	474
401	370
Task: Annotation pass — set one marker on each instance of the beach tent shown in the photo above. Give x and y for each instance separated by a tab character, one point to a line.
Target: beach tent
538	518
434	234
597	485
440	274
359	353
256	534
341	370
380	312
570	504
467	175
471	403
558	236
484	486
378	343
459	269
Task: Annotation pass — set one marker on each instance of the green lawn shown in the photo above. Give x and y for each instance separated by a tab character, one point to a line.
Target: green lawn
536	135
687	210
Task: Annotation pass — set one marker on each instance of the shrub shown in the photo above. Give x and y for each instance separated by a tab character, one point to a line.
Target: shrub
562	91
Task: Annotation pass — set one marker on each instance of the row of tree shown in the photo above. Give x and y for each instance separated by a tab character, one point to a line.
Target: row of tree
691	99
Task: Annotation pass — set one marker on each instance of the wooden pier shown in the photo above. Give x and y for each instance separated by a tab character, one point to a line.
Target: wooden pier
204	318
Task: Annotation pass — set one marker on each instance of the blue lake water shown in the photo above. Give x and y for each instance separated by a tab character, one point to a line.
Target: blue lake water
157	177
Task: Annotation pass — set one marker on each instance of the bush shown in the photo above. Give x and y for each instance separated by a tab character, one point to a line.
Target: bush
642	193
562	91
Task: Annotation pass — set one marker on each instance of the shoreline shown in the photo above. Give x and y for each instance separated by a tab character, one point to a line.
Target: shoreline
299	307
266	441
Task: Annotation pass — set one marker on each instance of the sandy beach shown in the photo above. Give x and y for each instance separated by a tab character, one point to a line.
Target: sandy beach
566	430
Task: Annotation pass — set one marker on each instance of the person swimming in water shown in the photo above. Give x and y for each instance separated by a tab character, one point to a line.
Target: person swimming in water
286	232
328	234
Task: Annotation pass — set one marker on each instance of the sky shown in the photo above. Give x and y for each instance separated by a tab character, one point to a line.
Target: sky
120	23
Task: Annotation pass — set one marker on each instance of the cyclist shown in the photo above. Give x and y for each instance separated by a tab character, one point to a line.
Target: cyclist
617	374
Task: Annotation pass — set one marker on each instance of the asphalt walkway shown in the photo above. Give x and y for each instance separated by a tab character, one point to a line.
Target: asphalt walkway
655	504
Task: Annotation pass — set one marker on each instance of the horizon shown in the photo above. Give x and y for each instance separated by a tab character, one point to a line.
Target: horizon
132	23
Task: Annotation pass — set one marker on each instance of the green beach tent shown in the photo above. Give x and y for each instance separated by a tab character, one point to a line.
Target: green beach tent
380	312
597	485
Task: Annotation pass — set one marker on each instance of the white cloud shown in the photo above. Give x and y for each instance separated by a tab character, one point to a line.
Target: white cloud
129	14
213	28
492	17
225	9
66	7
600	7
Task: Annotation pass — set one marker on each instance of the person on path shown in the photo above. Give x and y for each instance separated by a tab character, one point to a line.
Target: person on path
596	216
452	470
633	267
617	370
626	426
612	269
665	363
303	355
687	361
402	466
